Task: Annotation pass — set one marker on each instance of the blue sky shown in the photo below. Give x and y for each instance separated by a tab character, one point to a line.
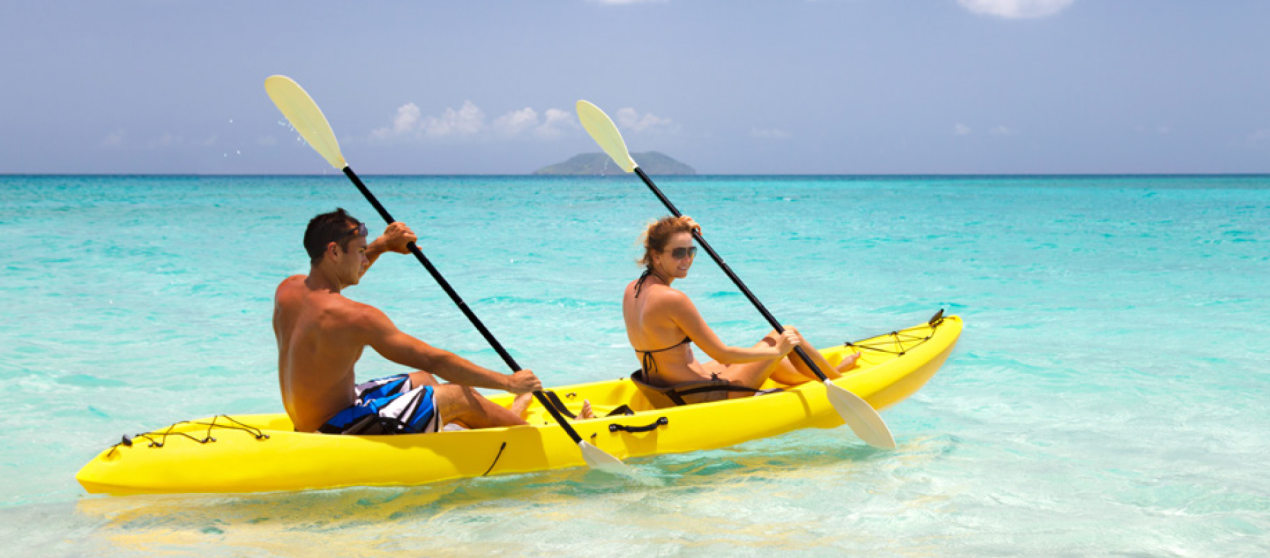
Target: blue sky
738	86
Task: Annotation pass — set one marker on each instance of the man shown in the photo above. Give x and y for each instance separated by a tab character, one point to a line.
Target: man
321	335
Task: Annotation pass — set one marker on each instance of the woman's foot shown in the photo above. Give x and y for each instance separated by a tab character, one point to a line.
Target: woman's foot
849	362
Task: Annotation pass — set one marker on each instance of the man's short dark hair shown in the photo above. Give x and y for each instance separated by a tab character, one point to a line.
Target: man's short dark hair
327	228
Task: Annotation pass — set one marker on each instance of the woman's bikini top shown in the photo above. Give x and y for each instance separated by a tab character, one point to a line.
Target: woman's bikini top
646	357
650	364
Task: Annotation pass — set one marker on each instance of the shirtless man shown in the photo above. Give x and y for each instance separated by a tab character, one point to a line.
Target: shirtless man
321	335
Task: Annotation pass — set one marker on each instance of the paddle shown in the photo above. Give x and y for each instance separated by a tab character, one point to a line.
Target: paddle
308	119
856	412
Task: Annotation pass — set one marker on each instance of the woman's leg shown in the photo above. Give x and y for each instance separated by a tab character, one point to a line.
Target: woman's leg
748	374
795	363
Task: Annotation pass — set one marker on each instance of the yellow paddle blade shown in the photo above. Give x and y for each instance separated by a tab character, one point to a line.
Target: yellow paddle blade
597	458
605	133
306	117
863	419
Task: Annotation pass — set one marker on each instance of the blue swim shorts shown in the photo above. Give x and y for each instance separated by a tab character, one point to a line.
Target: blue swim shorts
388	406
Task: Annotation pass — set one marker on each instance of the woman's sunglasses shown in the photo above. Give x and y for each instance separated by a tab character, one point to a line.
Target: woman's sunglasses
683	253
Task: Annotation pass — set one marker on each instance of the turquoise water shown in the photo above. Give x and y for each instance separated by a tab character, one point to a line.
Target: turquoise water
1108	396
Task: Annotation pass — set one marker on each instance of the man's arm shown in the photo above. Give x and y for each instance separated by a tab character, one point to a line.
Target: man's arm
394	239
401	348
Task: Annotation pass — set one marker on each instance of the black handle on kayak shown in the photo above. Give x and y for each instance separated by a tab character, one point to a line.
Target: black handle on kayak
728	270
661	421
454	296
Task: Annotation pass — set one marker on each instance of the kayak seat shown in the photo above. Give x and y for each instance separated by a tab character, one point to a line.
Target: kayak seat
687	393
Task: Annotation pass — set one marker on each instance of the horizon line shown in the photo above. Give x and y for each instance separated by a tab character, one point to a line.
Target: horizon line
699	175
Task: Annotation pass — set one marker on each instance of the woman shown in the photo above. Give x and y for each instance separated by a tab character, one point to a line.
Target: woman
661	322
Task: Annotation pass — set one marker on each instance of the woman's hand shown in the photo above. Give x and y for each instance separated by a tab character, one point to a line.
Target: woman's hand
787	341
688	220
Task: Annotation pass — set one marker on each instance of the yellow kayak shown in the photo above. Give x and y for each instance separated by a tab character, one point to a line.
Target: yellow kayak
258	453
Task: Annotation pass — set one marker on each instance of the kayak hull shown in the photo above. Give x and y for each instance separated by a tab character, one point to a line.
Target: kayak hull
263	453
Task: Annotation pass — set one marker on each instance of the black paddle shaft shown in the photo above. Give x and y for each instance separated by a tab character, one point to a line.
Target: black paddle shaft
728	270
454	296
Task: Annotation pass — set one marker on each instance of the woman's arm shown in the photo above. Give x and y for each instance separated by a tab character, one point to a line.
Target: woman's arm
685	315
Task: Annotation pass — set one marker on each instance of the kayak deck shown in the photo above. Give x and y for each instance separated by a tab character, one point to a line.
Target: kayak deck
255	453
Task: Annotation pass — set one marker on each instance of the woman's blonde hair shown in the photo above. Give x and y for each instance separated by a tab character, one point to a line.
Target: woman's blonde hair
658	233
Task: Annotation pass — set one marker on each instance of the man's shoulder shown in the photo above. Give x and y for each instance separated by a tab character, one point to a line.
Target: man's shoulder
289	284
337	311
352	309
294	291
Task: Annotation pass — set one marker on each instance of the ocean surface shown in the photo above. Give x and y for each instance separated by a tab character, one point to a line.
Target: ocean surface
1108	397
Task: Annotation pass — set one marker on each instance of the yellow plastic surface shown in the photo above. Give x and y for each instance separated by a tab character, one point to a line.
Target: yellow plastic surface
287	460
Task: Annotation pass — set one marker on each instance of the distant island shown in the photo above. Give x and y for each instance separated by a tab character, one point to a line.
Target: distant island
599	164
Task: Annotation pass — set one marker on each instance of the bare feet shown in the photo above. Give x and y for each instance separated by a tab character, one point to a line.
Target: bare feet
849	362
520	403
586	412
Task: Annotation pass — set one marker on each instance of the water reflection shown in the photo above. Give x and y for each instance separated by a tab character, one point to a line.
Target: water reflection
760	495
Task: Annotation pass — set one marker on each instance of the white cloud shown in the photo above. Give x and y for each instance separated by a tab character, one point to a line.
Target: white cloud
769	133
115	138
405	122
525	122
1003	131
552	122
649	122
469	123
1016	9
962	130
515	122
465	122
266	140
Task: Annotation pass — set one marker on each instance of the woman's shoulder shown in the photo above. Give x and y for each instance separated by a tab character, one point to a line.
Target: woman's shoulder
663	295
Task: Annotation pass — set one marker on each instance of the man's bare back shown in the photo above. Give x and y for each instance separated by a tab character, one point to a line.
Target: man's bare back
316	351
321	334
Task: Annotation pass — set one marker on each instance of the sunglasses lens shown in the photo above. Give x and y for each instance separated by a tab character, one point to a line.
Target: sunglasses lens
361	230
681	253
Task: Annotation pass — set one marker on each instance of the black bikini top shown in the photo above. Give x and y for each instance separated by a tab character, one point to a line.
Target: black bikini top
650	364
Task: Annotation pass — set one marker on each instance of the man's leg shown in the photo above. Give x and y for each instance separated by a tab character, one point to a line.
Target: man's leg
421	378
464	404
